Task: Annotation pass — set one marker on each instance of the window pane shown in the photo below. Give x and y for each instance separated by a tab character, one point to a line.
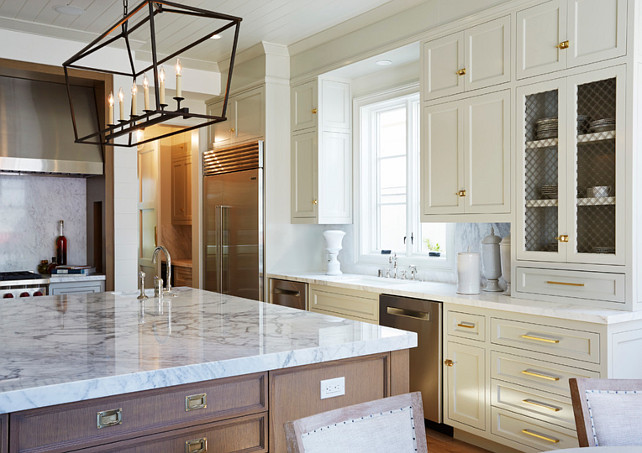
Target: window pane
392	227
433	238
392	173
392	132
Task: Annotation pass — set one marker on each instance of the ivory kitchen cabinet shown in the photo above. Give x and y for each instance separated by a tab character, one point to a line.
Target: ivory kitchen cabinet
76	287
346	303
321	153
465	385
562	34
465	159
245	118
475	58
181	185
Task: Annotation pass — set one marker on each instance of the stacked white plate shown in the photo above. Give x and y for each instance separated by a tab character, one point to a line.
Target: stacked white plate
602	125
546	128
549	191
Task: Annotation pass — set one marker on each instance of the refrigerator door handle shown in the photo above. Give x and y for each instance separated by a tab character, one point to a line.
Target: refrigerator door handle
223	217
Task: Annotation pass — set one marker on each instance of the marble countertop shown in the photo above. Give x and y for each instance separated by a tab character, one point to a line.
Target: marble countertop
62	278
565	308
61	349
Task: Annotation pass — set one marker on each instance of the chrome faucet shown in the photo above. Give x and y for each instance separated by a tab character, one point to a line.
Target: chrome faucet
168	274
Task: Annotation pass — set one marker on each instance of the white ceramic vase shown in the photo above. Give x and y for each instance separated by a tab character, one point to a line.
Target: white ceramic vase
333	239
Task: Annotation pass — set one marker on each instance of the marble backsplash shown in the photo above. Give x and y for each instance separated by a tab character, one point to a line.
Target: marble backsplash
30	208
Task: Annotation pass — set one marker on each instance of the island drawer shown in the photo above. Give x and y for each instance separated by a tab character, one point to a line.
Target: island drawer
544	406
563	342
94	422
244	434
537	374
466	325
526	431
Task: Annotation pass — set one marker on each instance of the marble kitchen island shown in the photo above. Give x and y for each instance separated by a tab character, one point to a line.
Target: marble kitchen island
105	372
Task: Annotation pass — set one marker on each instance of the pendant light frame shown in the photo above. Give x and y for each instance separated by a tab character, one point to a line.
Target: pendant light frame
160	112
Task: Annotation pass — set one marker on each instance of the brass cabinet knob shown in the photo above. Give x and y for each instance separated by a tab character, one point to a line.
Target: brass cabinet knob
562	238
232	130
563	45
461	193
314	111
461	72
315	202
448	362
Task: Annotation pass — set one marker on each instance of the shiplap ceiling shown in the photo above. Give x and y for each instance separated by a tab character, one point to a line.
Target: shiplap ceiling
276	21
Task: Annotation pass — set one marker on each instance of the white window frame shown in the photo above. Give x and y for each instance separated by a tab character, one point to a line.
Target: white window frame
362	186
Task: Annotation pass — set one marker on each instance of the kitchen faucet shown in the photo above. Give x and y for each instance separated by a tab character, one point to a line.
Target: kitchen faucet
393	260
168	273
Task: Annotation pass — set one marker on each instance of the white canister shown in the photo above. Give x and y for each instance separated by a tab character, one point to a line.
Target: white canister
468	273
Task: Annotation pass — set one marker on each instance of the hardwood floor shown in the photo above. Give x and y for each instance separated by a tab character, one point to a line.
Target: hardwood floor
441	443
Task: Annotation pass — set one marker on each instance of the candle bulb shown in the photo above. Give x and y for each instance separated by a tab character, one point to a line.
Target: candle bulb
146	91
111	108
134	104
161	77
179	91
121	103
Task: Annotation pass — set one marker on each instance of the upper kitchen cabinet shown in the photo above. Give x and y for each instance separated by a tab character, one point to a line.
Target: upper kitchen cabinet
245	118
465	159
474	58
562	34
572	185
181	184
321	152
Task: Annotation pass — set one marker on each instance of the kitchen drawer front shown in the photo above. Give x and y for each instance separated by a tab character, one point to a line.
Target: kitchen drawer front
349	304
546	407
602	286
559	341
537	374
246	434
466	325
529	432
74	425
182	276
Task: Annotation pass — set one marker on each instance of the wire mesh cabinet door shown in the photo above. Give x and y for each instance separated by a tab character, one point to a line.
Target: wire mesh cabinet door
541	141
596	186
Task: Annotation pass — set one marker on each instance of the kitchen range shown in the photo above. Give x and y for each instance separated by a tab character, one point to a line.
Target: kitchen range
23	284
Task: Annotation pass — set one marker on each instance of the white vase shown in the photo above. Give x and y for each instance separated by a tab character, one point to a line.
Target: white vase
333	239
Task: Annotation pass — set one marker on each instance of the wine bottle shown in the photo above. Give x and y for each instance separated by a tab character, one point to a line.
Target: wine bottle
61	245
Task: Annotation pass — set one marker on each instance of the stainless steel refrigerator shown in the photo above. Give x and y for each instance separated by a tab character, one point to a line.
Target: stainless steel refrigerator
233	220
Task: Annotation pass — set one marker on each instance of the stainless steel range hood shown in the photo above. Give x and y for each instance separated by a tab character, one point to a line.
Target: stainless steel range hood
36	133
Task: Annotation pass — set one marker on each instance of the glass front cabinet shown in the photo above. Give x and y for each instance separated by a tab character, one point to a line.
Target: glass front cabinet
570	180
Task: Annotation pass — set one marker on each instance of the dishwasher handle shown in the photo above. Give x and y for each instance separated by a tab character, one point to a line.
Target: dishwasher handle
286	292
420	315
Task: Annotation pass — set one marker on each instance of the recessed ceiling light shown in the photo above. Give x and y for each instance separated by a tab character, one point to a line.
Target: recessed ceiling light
384	62
69	10
216	37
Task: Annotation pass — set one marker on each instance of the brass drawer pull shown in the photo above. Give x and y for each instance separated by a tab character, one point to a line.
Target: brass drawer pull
563	45
194	402
544	405
196	445
540	375
112	417
466	325
461	72
551	282
540	436
544	340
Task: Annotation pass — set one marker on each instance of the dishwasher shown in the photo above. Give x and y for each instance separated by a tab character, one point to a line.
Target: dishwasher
424	318
288	293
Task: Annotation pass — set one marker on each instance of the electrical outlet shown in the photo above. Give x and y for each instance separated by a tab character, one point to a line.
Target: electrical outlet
333	387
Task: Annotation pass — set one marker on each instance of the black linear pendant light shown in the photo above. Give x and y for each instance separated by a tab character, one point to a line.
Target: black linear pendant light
132	27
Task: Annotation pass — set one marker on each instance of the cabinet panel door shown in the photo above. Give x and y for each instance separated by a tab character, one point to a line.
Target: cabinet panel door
335	102
442	58
442	173
304	106
248	108
488	54
181	191
540	30
221	132
335	178
596	30
487	151
466	385
304	175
